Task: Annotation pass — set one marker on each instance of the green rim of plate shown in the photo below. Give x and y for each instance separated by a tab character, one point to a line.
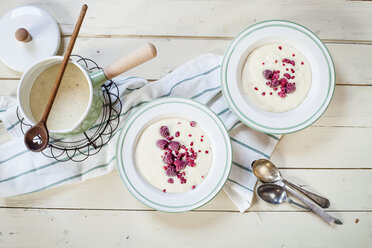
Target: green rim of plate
276	23
126	127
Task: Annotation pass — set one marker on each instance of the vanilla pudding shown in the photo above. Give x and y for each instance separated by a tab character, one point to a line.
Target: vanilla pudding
173	155
71	101
276	77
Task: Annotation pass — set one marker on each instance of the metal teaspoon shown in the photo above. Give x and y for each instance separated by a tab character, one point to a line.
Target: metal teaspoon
276	194
266	171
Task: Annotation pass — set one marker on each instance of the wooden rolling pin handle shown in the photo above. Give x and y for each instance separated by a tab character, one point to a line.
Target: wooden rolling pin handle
135	58
23	35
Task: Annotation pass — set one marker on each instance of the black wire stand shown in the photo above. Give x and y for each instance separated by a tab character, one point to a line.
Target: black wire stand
79	147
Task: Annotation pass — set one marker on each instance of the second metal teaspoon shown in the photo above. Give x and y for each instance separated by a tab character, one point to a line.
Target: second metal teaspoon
275	194
266	171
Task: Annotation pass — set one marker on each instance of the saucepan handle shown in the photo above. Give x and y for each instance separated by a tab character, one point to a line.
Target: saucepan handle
130	61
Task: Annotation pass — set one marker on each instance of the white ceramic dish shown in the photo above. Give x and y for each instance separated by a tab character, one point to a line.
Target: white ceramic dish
220	146
323	77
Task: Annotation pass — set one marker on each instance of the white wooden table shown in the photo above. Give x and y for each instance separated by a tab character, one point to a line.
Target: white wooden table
333	157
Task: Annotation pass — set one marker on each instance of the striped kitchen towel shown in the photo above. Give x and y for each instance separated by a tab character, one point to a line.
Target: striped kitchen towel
24	172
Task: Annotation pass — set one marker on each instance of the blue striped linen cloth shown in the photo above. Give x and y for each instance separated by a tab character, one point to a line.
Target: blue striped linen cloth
23	172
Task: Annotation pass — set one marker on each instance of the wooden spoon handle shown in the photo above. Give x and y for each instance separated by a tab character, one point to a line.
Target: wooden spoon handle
64	63
135	58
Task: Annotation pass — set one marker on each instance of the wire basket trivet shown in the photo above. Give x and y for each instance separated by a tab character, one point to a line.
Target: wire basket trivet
79	147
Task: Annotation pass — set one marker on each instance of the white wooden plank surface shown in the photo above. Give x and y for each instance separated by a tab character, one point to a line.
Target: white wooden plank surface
108	192
325	147
8	87
352	61
333	19
350	106
328	156
81	228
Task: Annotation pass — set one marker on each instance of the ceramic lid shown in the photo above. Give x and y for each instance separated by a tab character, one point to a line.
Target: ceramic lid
44	40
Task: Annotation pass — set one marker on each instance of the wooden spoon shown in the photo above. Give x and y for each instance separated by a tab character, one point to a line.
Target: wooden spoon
37	137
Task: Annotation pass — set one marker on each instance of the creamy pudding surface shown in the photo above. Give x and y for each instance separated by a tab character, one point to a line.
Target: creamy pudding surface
71	101
173	155
276	77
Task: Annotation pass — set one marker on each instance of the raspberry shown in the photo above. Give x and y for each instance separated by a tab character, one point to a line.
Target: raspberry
287	75
288	61
282	94
274	83
177	134
168	159
164	131
193	123
290	88
293	71
193	187
170	180
180	155
174	145
283	82
180	165
190	162
275	75
171	171
267	74
162	143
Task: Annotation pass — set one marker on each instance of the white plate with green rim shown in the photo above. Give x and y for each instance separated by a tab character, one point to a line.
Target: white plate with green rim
220	147
316	53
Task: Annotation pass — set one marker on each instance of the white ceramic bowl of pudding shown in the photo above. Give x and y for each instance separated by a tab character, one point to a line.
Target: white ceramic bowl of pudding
144	118
322	77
